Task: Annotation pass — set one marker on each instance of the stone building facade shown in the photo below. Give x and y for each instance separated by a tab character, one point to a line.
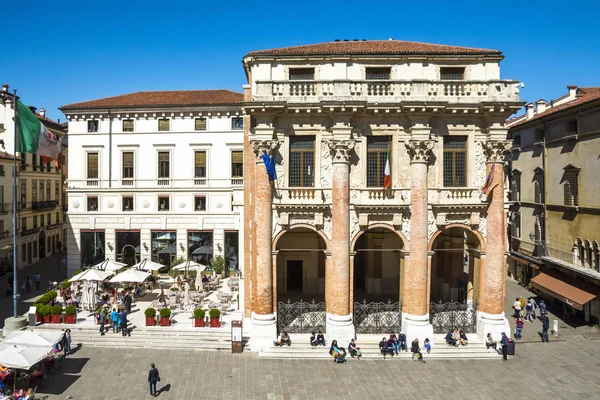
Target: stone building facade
330	115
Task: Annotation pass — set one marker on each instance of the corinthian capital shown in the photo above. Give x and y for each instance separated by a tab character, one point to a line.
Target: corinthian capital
419	151
262	147
340	150
496	150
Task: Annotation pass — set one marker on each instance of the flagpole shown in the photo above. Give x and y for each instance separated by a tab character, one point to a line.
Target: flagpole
15	219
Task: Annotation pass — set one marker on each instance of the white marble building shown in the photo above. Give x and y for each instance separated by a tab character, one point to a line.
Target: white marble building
155	175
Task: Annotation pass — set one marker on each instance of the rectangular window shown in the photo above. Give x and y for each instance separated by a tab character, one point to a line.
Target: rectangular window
302	74
302	161
538	186
377	151
23	194
164	125
378	73
34	161
452	73
92	165
237	123
571	187
538	135
92	203
24	252
48	219
163	164
2	172
41	190
200	164
516	225
163	203
571	126
237	164
34	190
42	221
455	161
35	222
48	190
57	218
128	165
127	125
92	125
200	124
56	191
517	141
200	203
127	203
515	187
24	224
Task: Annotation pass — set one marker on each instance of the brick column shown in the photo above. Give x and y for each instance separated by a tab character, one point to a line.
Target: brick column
337	274
492	278
415	313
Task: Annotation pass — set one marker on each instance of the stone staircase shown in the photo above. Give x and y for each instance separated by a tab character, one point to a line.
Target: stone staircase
369	346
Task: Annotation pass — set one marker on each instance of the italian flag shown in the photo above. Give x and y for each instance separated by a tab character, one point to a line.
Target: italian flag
387	179
33	137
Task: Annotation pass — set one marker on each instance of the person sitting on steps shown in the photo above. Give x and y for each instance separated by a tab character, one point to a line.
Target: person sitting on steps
385	348
463	338
416	350
402	341
353	349
284	338
320	339
490	342
450	340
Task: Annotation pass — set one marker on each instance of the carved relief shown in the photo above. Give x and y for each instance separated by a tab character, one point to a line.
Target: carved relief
354	225
479	165
327	225
431	224
340	150
496	150
326	170
406	228
482	225
419	151
262	147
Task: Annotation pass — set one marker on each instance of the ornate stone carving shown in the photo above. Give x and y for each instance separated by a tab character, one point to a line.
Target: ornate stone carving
482	225
146	204
182	204
325	172
479	165
496	150
406	228
419	151
354	225
341	150
262	147
76	204
110	204
431	224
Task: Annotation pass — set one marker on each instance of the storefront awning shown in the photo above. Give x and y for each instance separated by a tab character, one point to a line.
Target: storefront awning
524	261
560	286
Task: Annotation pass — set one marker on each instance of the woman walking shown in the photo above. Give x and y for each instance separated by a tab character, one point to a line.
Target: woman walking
153	377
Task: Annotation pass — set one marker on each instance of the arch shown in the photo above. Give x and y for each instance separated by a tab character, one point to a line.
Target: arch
457	225
378	225
299	226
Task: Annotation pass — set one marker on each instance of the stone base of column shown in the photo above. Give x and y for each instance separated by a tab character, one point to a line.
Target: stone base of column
340	328
263	331
417	326
492	323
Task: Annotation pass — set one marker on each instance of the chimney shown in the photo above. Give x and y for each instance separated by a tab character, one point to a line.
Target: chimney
5	87
42	112
540	106
529	112
572	90
33	109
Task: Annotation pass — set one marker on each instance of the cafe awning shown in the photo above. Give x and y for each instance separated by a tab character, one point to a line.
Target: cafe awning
533	263
562	287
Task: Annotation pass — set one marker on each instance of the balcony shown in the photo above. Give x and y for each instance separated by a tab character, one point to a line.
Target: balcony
128	182
302	196
237	181
163	182
93	182
379	197
44	205
5	208
454	196
200	181
466	92
27	232
5	234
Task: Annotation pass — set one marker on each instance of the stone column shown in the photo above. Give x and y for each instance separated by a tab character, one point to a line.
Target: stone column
337	274
416	301
492	278
264	328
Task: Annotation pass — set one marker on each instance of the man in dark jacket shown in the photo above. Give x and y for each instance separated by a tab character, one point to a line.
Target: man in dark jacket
545	326
153	377
416	350
504	342
101	319
123	320
127	300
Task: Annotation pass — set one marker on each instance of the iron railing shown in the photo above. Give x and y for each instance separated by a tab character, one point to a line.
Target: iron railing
445	317
377	317
300	317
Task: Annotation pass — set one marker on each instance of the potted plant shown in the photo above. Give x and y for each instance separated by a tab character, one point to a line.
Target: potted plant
218	265
215	318
38	314
45	312
57	314
165	315
70	315
199	315
150	314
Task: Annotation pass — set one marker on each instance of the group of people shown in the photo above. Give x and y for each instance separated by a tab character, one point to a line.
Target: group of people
118	321
393	344
528	310
25	286
456	338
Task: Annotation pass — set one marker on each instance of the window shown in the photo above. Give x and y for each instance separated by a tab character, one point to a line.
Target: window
517	141
48	190
92	125
452	73
200	164
200	203
237	123
538	186
57	218
92	203
24	252
23	224
455	161
35	221
302	161
163	125
237	164
92	165
163	203
515	186
571	186
128	203
34	190
34	161
56	191
2	172
200	124
23	193
571	126
163	164
127	125
302	74
41	190
48	219
41	221
516	225
128	165
378	73
538	135
377	151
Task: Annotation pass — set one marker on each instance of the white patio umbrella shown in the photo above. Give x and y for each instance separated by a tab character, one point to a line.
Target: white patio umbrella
91	275
131	275
190	265
33	338
109	265
148	265
22	357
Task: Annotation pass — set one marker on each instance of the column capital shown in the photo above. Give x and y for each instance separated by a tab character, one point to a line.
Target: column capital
419	151
262	147
340	150
496	150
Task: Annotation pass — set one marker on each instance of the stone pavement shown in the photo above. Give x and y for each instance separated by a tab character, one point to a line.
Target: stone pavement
558	370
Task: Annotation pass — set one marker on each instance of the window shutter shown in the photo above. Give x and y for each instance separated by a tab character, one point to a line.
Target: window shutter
200	161
92	165
128	160
237	157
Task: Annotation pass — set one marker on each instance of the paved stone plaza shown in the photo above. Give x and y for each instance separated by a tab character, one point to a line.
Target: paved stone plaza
559	370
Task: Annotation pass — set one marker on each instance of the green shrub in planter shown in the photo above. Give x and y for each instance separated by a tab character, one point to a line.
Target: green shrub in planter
52	294
57	310
165	312
199	313
71	310
214	313
45	310
77	272
150	312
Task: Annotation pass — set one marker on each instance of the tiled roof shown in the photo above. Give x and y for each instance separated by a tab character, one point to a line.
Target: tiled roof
584	95
49	123
163	98
7	156
367	47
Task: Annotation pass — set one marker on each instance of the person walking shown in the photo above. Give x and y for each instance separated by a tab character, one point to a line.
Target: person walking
534	306
101	319
68	341
519	324
153	377
504	343
128	300
123	320
38	280
543	309
545	326
114	319
27	284
23	286
517	307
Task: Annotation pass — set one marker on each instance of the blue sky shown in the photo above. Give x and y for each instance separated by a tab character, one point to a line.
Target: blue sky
70	51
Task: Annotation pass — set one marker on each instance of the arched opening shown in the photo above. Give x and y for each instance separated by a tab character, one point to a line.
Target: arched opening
455	265
42	244
129	255
378	263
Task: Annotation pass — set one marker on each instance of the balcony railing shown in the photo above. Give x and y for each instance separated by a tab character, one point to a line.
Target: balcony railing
237	181
454	196
5	234
5	208
298	196
92	182
128	182
390	90
44	205
200	181
163	182
377	196
26	232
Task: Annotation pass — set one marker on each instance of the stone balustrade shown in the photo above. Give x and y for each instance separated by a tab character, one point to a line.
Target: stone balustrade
391	90
380	197
454	196
300	196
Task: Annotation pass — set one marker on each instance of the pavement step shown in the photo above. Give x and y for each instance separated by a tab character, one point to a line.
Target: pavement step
432	356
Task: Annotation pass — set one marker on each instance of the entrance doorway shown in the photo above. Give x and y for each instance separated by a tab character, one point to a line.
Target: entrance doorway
294	276
42	245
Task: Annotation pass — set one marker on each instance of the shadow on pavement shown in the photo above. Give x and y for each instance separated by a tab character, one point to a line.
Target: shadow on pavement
73	365
165	388
56	384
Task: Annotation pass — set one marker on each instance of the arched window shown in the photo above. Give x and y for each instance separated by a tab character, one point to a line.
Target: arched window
515	186
571	185
538	185
587	252
595	256
580	252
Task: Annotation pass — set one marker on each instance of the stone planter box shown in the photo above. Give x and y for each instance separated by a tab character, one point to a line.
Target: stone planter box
150	321
199	323
48	318
165	321
70	319
56	318
215	322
